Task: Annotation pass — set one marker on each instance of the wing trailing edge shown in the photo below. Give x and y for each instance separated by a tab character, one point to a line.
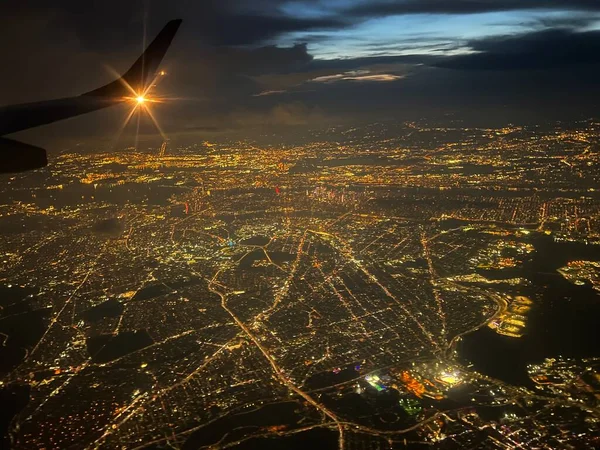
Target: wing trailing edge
17	156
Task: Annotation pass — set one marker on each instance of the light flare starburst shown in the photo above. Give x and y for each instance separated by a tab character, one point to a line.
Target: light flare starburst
140	101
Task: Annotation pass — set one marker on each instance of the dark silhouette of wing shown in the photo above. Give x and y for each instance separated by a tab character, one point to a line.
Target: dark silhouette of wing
16	118
144	69
17	156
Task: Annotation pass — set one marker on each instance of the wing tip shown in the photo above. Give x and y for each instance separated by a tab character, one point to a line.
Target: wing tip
144	66
172	26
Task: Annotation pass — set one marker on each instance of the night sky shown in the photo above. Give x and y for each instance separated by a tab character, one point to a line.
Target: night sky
240	64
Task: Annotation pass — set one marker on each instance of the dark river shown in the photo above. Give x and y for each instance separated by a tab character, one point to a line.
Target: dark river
564	320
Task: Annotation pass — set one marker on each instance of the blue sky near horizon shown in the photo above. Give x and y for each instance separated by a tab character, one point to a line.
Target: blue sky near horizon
440	34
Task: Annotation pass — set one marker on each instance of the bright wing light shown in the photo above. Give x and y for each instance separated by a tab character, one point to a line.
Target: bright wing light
141	102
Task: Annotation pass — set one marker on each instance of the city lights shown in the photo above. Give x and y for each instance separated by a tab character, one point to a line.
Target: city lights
238	279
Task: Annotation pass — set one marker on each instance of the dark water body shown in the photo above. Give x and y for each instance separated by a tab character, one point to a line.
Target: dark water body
238	425
13	399
22	325
312	439
14	294
564	320
106	347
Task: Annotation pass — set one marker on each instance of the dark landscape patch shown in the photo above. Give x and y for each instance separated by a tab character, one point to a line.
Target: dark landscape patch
106	347
108	309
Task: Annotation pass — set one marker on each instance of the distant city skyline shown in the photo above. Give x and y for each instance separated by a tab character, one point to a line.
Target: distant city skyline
242	65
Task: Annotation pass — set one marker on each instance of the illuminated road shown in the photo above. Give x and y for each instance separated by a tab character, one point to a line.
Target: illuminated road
376	268
278	372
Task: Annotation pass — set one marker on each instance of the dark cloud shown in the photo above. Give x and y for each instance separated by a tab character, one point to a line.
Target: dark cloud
286	114
254	61
69	43
252	29
492	98
548	49
102	25
228	77
389	7
574	22
223	60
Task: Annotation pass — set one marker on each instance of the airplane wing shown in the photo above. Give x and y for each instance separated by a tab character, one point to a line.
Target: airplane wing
17	156
13	157
144	69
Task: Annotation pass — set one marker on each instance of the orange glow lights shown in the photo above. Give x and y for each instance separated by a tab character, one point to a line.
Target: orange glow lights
142	99
141	102
412	384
